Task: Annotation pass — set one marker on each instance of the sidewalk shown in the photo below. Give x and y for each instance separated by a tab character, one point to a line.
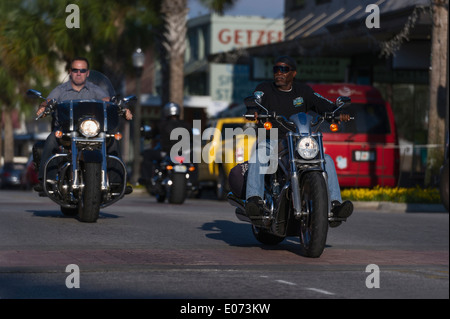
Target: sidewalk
400	207
373	206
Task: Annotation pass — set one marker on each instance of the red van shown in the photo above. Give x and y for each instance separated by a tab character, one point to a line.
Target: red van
365	151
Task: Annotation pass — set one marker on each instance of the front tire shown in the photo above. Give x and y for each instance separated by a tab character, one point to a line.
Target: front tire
314	226
89	205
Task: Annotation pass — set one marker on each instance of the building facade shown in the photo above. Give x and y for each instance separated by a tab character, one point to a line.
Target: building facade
384	43
224	83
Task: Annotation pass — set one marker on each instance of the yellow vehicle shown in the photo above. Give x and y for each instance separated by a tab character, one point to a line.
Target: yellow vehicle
230	142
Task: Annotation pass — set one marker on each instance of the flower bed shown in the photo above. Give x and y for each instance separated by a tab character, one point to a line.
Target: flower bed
396	195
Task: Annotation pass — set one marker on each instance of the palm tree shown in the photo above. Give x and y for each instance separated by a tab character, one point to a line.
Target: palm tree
438	88
24	60
173	45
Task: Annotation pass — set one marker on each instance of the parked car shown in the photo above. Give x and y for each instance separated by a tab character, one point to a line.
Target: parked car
10	174
227	146
29	176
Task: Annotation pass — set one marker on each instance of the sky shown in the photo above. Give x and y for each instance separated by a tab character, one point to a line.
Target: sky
261	8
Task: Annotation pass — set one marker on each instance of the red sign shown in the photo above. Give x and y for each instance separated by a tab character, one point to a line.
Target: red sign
249	37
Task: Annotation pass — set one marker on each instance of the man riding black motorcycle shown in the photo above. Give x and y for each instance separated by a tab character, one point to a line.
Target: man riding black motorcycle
77	88
171	121
286	97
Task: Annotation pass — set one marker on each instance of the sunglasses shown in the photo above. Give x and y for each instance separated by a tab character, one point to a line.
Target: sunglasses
282	69
79	70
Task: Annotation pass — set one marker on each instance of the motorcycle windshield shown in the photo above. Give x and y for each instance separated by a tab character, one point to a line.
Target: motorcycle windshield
102	81
77	110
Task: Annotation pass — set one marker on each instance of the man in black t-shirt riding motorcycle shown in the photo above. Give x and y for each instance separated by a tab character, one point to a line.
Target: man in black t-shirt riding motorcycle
286	97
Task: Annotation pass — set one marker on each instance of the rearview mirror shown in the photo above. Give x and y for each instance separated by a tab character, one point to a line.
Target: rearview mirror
130	100
342	101
34	94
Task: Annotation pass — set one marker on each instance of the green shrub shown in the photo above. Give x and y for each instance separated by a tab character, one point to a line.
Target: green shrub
393	194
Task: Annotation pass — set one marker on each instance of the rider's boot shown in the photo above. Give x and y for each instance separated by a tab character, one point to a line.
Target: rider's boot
341	210
254	209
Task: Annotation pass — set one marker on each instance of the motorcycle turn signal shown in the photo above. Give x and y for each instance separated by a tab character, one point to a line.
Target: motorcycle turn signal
334	127
268	125
58	134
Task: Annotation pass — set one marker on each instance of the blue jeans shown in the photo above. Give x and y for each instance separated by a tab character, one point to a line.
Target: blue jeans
259	165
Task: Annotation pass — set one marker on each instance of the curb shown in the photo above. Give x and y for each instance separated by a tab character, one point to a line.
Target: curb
400	207
376	206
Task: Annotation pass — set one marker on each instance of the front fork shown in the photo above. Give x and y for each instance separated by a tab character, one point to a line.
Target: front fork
295	180
76	159
295	185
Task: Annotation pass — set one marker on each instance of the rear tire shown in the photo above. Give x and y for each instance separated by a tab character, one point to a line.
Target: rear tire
314	226
89	205
178	190
222	187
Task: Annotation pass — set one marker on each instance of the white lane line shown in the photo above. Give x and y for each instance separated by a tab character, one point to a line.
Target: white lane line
286	282
320	291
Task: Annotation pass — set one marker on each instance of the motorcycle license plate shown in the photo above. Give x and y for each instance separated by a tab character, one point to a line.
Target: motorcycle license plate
180	168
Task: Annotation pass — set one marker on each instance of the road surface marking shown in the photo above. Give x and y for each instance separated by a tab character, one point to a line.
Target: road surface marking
320	291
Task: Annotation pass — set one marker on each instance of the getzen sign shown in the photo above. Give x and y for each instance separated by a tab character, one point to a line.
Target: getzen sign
242	37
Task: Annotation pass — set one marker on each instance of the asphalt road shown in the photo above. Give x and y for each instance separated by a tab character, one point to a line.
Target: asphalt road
201	251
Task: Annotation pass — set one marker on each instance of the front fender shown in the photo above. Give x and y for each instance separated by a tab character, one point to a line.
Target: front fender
88	156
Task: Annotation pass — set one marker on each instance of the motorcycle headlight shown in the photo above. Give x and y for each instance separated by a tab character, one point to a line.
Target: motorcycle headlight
89	128
307	148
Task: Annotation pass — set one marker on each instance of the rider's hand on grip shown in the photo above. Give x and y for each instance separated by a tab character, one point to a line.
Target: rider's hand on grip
344	118
45	108
41	109
128	115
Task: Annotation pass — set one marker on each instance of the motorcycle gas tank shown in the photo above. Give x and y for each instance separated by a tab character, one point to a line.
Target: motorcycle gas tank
303	122
75	110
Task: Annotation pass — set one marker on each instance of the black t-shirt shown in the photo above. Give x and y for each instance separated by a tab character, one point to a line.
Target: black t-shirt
301	98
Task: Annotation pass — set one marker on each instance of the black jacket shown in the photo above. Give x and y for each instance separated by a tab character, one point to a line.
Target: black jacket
301	98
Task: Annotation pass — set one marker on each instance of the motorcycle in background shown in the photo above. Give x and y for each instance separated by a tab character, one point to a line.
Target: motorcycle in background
164	176
171	180
297	200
